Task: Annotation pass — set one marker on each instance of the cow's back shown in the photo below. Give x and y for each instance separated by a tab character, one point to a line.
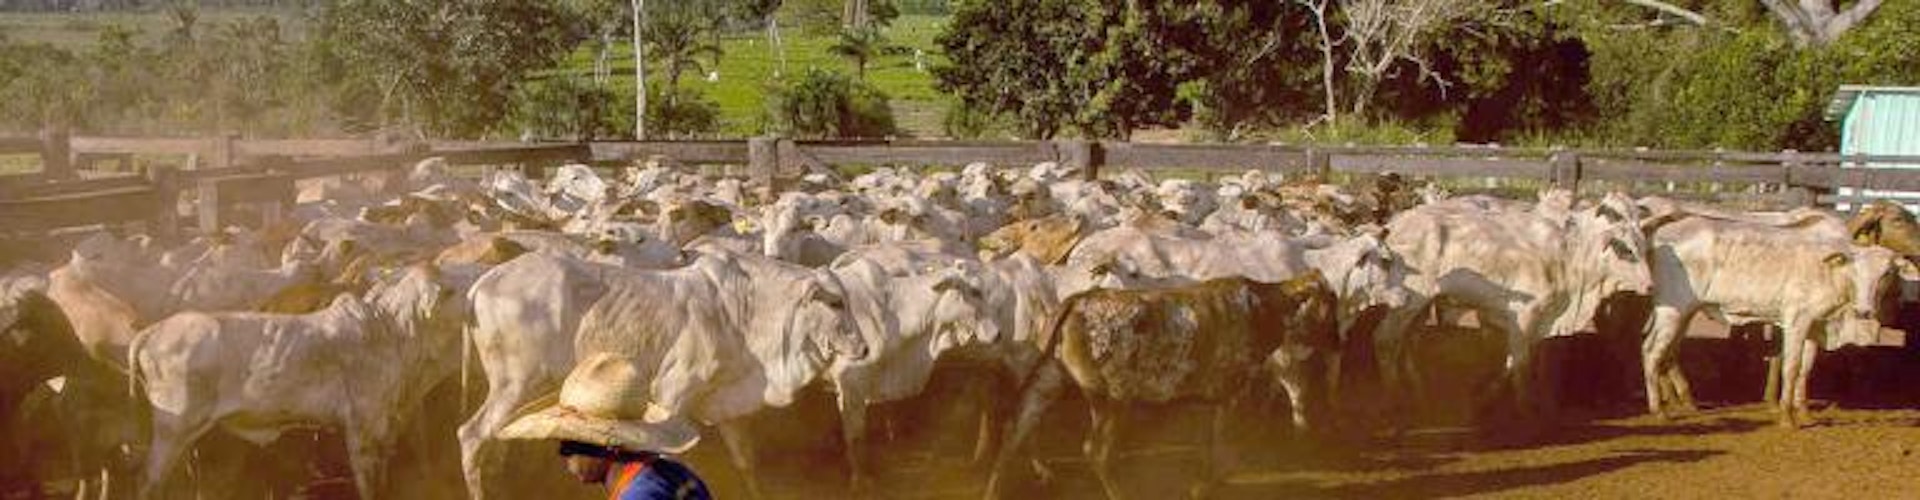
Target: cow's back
1161	345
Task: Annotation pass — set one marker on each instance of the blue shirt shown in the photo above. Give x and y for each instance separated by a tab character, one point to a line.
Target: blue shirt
658	479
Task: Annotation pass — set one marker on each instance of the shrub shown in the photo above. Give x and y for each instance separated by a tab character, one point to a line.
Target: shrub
681	113
567	107
826	104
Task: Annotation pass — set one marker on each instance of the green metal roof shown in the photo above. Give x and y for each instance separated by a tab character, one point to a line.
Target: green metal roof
1843	99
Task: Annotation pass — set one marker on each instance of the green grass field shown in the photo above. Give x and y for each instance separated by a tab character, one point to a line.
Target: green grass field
747	66
750	64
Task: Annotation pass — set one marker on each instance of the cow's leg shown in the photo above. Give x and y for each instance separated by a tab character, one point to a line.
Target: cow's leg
1219	459
739	439
1099	450
981	393
1656	353
1520	330
1390	357
1793	340
1045	386
173	437
370	441
853	427
1809	348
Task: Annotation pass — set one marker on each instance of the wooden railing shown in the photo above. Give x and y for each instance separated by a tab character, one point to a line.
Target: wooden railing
227	170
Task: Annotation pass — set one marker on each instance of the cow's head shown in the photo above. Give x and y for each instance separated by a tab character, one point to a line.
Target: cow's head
1376	278
1048	239
1608	237
960	305
683	222
1871	272
424	302
1295	322
827	321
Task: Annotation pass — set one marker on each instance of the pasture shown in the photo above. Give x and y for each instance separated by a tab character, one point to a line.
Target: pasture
749	65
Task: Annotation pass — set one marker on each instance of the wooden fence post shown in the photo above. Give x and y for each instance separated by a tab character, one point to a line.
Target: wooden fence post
56	155
207	206
223	150
1802	194
1320	163
1566	170
763	162
166	187
1084	155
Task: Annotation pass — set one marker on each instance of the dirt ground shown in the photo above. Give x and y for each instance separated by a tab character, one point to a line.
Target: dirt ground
1731	452
1863	445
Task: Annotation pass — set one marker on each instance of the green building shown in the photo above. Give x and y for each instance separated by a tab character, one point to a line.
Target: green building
1878	121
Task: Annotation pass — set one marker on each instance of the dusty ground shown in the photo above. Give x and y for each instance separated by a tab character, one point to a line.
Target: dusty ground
1864	446
1733	452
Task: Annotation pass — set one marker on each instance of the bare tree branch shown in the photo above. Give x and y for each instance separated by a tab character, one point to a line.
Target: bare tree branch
1674	10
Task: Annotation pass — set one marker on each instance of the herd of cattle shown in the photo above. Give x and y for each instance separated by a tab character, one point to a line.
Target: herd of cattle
1030	281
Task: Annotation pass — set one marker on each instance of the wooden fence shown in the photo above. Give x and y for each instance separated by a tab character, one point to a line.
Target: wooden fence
226	171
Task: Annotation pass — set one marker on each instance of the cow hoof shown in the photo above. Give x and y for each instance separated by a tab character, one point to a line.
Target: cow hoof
1788	422
1041	472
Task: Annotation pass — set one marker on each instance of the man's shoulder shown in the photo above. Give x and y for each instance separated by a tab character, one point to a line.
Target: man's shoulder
666	479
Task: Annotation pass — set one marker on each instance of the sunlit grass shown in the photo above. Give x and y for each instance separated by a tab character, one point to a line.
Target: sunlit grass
750	66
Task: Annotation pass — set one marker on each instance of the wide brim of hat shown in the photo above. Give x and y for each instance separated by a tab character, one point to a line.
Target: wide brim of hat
551	421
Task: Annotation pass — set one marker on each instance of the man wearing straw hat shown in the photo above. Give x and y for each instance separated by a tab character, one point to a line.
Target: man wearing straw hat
612	433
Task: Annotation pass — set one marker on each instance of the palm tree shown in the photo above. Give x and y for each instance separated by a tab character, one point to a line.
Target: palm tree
859	45
678	38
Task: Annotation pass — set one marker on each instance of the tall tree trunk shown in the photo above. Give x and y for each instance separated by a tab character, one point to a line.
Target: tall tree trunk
773	41
601	69
1815	23
639	74
1326	61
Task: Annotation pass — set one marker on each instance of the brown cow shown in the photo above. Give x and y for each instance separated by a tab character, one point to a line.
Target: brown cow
1887	224
1207	342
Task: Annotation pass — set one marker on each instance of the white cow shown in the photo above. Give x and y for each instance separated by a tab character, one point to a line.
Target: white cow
907	322
1529	277
535	315
1816	286
358	366
743	332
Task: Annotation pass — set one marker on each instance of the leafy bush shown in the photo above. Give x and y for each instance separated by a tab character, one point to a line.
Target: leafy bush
826	104
680	113
966	121
568	107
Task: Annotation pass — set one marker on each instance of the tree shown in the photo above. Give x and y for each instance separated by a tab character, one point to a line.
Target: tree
639	72
825	104
677	37
1817	23
1381	37
859	45
445	68
1100	68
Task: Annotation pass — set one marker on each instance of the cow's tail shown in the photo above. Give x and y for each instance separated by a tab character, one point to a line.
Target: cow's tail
1054	325
133	363
466	365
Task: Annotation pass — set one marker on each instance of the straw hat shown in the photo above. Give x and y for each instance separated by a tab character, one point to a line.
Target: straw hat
604	402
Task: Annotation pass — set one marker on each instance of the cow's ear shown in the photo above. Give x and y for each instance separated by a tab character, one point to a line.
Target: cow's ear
951	282
1838	259
822	295
1907	269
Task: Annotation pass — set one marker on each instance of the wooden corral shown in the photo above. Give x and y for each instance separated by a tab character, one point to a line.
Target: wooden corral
261	169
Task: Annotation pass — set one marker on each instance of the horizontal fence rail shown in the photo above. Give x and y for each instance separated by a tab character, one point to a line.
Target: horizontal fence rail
228	170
